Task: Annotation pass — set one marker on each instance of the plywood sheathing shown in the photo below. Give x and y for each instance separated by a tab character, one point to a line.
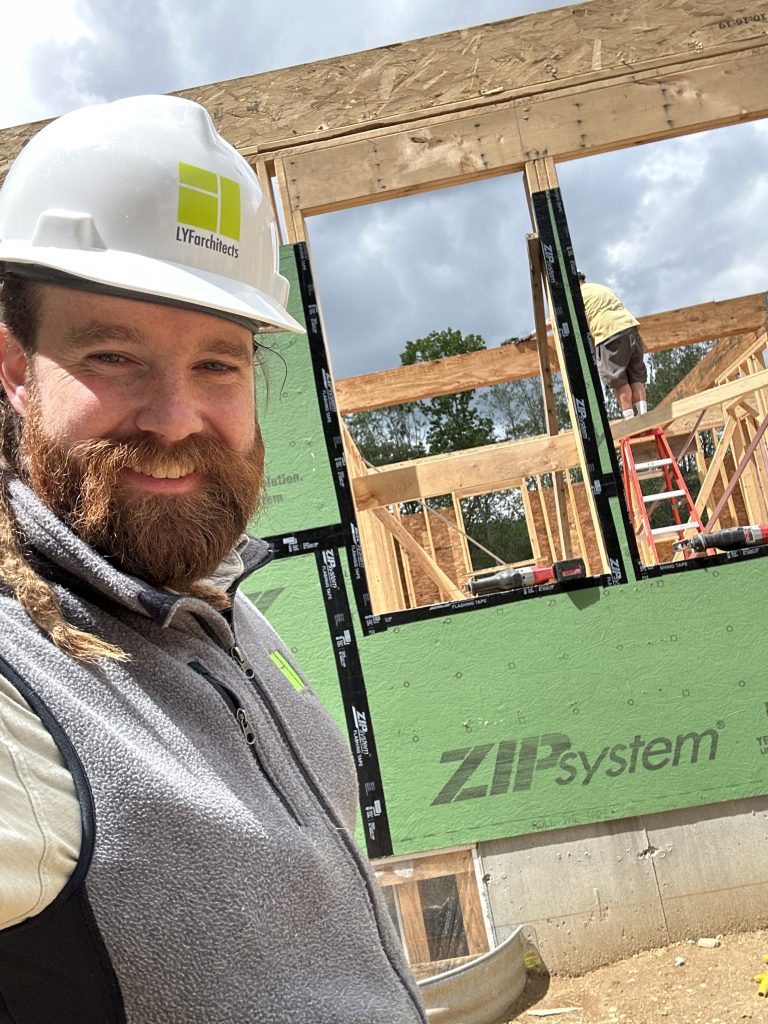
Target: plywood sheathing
541	518
644	107
449	552
471	68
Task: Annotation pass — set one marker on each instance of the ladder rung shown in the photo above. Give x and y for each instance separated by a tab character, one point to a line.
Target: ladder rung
640	466
661	495
679	528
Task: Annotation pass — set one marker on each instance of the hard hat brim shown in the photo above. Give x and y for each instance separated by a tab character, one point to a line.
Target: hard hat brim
151	278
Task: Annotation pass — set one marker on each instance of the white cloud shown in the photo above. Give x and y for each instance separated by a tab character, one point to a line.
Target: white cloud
25	26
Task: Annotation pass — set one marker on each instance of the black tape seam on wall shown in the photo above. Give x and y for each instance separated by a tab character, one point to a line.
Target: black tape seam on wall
331	431
711	562
355	699
302	542
394	620
381	623
553	235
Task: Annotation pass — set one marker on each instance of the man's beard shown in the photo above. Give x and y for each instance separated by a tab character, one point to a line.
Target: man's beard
170	540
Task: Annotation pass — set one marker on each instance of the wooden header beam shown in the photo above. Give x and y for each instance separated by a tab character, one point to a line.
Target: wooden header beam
453	374
646	106
502	463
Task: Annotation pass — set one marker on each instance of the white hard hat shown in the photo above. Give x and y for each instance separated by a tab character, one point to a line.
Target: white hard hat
144	196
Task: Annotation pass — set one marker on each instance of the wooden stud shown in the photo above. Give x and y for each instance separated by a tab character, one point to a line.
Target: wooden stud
550	411
743	462
292	215
419	555
405	561
577	521
459	514
541	175
412	916
472	912
715	466
547	525
265	171
381	564
530	522
430	540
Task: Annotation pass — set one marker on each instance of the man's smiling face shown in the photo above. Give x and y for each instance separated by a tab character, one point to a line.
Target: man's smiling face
139	428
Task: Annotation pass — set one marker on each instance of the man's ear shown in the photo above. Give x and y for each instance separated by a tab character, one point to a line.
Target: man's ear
13	370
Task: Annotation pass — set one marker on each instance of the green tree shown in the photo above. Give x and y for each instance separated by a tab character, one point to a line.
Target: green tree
453	422
668	368
394	434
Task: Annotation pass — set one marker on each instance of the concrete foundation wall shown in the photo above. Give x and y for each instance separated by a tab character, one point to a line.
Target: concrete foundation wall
593	894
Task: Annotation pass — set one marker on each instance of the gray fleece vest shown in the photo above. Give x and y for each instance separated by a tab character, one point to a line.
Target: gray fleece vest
217	881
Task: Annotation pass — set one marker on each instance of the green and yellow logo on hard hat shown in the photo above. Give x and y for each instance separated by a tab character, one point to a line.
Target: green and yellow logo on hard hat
209	201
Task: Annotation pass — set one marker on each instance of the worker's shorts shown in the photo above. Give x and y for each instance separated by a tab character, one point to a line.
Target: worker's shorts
620	359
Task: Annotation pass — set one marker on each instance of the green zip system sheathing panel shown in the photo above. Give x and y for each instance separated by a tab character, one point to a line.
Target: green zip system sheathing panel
515	715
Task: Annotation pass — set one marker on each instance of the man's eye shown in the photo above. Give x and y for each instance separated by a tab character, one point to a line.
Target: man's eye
108	357
217	367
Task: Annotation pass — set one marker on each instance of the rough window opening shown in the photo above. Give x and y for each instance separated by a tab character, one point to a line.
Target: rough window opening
440	447
684	235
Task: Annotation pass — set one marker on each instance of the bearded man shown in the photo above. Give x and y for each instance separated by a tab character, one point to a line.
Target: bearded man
175	805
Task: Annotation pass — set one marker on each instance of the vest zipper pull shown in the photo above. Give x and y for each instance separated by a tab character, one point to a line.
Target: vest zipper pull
245	727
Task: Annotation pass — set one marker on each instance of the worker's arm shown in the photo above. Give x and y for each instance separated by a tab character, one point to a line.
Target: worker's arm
40	824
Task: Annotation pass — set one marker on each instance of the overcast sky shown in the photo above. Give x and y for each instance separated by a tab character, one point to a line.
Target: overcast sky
667	225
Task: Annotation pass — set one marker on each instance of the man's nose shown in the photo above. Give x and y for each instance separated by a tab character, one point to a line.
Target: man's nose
169	409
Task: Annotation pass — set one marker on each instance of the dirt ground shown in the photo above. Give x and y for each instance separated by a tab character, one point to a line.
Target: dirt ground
711	986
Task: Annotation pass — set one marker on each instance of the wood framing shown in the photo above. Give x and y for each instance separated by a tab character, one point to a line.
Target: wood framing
661	331
494	467
405	877
483	100
502	465
422	157
423	559
668	411
711	366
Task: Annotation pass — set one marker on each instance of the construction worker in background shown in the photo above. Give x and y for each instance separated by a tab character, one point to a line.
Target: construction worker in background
619	349
176	806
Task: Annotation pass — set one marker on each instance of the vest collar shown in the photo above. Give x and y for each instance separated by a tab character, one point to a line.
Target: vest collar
61	556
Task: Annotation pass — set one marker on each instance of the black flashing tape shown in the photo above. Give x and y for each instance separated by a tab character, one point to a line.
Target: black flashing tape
303	542
331	430
394	620
355	699
554	237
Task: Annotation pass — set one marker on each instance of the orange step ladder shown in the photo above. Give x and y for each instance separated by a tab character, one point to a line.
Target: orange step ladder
675	492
